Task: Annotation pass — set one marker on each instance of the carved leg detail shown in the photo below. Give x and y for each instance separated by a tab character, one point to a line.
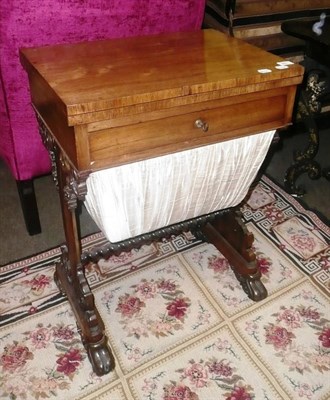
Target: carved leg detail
89	322
230	236
70	275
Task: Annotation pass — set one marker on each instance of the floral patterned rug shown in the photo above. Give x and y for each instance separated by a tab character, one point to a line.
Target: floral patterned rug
177	320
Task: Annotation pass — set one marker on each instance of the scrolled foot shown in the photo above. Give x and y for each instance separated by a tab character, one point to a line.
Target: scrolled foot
293	189
100	356
252	286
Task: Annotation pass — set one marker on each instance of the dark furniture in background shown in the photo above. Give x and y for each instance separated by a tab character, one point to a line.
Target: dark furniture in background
313	95
259	21
284	27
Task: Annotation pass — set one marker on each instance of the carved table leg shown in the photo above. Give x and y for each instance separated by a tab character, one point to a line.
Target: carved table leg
230	236
304	162
69	273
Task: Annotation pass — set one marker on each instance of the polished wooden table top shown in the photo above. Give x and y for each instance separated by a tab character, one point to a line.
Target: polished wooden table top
94	76
125	96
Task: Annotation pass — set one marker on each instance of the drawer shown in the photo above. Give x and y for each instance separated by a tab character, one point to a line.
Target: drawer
134	142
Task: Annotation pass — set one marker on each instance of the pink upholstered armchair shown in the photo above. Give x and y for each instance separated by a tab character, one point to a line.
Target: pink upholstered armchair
28	23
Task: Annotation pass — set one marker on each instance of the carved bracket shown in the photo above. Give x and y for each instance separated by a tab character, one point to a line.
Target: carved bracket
75	186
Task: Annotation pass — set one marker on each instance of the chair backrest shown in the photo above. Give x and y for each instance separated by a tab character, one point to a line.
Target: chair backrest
28	23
